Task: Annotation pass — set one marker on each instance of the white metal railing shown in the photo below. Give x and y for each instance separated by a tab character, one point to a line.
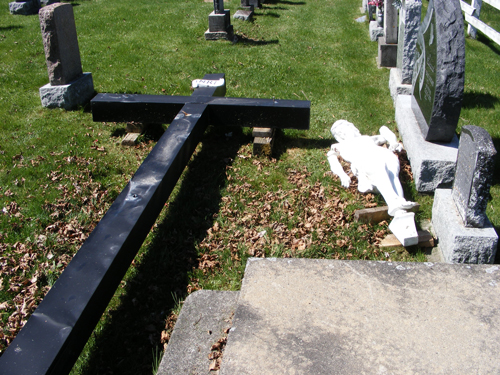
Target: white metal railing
472	12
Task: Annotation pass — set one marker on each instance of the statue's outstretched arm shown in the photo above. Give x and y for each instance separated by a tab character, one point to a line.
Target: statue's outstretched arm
337	169
391	138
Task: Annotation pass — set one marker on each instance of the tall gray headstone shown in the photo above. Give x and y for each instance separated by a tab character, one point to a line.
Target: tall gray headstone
69	87
390	22
60	43
439	71
409	21
474	175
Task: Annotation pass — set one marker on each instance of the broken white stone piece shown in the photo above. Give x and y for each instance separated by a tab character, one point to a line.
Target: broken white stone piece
403	227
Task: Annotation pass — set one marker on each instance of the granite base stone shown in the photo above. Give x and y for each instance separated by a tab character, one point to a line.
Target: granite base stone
387	54
397	88
215	35
70	96
432	164
24	8
375	31
460	244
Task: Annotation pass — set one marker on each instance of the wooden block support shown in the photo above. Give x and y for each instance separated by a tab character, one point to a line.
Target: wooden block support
263	141
376	214
425	239
130	139
263	132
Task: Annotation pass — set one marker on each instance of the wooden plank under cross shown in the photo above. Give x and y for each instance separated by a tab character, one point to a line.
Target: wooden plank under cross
55	334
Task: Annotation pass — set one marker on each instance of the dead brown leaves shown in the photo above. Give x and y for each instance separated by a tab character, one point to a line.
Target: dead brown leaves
31	266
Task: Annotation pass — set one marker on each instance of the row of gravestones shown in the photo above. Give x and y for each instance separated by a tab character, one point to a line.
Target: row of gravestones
427	87
28	7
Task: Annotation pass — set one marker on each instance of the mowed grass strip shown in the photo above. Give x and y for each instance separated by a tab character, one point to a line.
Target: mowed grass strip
60	171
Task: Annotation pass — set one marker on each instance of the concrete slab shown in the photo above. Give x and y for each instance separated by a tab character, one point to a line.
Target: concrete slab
202	321
298	316
432	164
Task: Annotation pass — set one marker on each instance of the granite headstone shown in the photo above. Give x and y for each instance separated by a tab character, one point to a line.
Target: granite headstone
439	71
60	43
474	175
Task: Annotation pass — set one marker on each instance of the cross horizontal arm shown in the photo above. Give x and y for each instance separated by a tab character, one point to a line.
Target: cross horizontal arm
159	109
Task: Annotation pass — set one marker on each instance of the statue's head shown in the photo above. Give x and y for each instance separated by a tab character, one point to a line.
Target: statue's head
343	129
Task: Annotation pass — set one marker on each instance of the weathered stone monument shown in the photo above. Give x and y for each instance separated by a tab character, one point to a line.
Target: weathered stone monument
69	86
459	215
24	8
219	23
427	120
409	21
388	43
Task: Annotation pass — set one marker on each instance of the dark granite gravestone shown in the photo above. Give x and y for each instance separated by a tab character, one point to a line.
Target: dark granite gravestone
474	175
439	71
219	23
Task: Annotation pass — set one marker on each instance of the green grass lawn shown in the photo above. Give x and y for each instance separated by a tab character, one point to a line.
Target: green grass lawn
60	171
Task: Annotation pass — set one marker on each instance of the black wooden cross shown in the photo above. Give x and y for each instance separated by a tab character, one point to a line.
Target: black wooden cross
57	331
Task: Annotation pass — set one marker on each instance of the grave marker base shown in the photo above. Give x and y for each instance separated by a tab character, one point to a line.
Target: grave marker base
70	96
375	31
460	244
432	164
396	87
387	53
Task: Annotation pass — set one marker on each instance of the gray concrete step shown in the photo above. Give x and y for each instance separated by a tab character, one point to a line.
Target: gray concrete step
298	316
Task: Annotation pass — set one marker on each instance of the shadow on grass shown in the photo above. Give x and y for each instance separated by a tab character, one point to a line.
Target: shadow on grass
479	100
268	14
284	143
486	41
126	345
8	28
285	2
254	42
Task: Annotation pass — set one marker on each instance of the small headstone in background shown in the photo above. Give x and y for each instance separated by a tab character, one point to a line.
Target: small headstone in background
219	23
409	22
439	70
474	175
387	44
251	3
60	43
69	86
459	215
24	8
44	3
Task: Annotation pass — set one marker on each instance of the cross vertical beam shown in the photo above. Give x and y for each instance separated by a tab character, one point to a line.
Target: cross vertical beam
57	331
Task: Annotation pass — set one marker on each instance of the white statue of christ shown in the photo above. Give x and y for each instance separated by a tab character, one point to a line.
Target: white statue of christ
377	169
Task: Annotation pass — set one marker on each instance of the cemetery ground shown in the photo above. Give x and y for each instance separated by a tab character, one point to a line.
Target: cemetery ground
60	171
